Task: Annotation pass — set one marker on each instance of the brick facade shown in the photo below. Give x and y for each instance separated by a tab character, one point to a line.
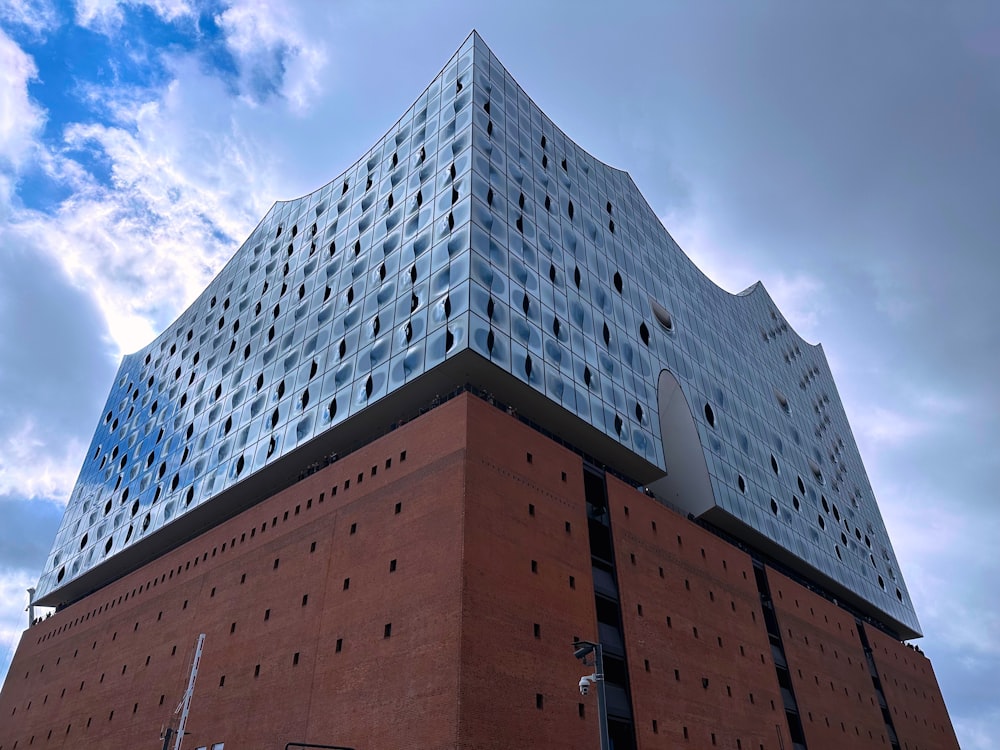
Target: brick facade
423	591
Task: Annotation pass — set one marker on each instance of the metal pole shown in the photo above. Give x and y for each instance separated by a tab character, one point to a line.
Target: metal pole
602	707
31	607
186	703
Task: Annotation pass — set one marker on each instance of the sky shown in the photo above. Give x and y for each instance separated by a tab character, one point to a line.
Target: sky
845	154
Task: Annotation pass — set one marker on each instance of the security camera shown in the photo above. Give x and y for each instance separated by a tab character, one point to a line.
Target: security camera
584	685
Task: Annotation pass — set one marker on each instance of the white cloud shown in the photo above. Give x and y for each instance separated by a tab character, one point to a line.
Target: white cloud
20	118
913	416
106	16
978	733
273	52
879	425
187	184
34	466
800	297
38	16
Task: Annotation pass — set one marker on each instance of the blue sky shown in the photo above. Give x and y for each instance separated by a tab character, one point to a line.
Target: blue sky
847	155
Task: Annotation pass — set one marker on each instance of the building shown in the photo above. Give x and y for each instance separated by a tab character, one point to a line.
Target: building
433	422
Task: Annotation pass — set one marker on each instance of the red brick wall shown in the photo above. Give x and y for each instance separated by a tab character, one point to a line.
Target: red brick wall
377	692
837	702
517	511
911	690
715	631
463	667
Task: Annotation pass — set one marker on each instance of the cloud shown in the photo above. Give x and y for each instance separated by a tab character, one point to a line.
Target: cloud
37	16
31	464
186	183
27	532
906	414
20	118
880	425
800	296
106	16
56	366
273	53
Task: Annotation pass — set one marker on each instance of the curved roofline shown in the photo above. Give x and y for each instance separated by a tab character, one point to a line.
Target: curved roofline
280	202
756	288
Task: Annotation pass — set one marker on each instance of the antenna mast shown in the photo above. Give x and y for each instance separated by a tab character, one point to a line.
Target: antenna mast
185	705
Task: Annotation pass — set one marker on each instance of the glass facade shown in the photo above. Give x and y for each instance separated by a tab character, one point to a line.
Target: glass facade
476	225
